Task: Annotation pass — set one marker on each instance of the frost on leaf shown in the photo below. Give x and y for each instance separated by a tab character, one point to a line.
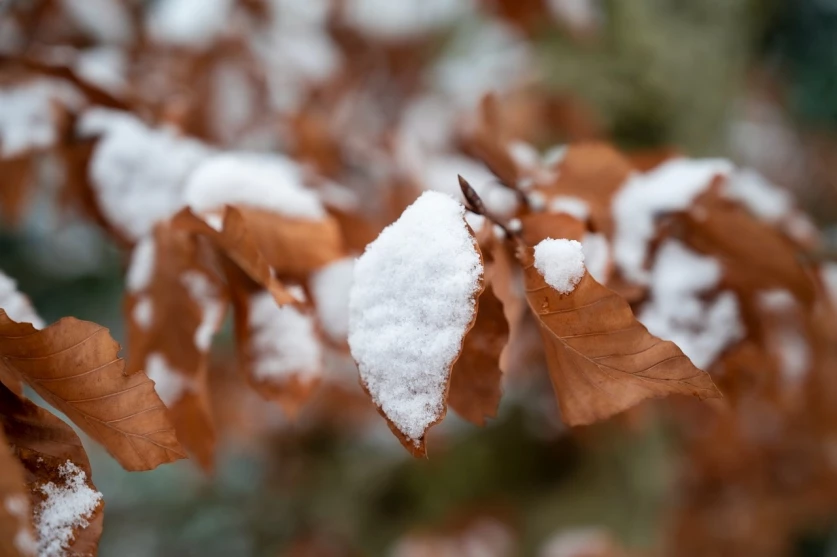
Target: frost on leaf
601	359
52	456
412	302
68	505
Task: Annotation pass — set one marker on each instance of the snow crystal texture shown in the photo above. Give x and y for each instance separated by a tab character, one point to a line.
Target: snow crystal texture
284	341
67	506
259	181
560	263
409	309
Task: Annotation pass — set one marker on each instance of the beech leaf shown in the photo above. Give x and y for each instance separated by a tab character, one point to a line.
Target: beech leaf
44	444
476	379
600	358
74	366
16	535
413	300
176	303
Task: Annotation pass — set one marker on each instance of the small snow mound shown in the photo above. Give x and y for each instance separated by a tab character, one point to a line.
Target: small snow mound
331	286
284	341
560	263
16	305
168	382
410	306
268	182
672	186
67	506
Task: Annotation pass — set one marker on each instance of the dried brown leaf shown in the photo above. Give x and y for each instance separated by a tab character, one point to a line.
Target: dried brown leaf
170	325
237	243
476	378
16	534
601	359
43	442
74	366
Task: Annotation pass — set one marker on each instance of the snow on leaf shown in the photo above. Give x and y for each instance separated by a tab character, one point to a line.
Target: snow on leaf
69	505
673	186
560	263
412	302
678	311
601	359
137	173
45	446
330	287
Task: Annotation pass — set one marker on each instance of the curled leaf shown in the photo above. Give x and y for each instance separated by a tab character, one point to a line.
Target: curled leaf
74	366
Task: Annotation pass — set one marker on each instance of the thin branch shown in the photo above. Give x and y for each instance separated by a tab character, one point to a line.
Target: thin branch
474	203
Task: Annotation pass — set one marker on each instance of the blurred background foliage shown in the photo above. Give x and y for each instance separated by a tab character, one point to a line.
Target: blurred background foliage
663	73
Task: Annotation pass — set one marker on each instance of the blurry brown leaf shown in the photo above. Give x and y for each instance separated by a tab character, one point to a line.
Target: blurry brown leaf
600	358
17	178
171	321
44	443
540	226
236	242
592	172
279	350
754	255
74	366
16	534
476	378
294	247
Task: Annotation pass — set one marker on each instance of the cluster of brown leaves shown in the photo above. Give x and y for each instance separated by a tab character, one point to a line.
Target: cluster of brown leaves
759	463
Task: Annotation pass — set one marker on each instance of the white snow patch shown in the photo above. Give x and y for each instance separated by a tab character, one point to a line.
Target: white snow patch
143	312
169	383
581	542
107	20
67	506
440	174
330	287
560	263
409	308
284	341
137	172
16	305
268	182
571	205
206	295
104	66
190	23
670	187
28	114
761	197
387	20
491	58
18	507
596	251
579	14
787	338
676	312
141	268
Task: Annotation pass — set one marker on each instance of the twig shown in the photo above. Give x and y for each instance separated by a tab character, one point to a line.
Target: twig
474	203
